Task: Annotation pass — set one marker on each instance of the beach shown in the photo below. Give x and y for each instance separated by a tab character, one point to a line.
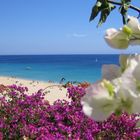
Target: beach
53	91
36	71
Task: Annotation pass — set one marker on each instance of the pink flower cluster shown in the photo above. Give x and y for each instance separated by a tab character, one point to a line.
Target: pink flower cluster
31	117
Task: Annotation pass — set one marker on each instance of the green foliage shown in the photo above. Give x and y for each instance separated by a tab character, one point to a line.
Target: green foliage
123	9
105	7
102	7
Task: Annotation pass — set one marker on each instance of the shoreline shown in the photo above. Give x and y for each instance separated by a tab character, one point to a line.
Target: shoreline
53	90
30	79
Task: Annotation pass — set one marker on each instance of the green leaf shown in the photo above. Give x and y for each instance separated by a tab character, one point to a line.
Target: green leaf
95	10
102	7
105	13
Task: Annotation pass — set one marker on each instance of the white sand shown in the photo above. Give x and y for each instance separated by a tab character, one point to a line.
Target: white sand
53	91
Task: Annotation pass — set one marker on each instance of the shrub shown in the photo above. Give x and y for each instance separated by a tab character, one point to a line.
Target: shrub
24	116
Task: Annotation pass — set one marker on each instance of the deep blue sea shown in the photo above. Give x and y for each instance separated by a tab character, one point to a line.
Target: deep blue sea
55	67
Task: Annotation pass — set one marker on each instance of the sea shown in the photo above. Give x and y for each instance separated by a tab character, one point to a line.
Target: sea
53	68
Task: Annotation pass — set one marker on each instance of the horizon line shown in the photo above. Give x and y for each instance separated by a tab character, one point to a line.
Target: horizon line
72	54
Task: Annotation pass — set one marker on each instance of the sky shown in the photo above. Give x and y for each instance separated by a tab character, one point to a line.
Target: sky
55	27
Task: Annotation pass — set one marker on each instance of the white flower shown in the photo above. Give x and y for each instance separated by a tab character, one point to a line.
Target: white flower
130	66
117	38
127	65
122	38
128	84
99	103
87	109
121	93
134	25
127	96
136	72
123	62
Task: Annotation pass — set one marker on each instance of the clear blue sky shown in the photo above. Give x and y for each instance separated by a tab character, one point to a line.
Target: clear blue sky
54	27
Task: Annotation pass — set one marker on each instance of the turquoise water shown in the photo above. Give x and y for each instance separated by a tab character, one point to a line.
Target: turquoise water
55	67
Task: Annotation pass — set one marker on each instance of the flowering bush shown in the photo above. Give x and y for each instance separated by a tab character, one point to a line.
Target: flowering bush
24	116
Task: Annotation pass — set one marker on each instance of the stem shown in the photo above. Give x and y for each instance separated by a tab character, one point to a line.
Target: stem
134	39
131	6
60	86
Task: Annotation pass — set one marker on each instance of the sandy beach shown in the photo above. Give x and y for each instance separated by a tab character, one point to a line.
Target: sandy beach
53	91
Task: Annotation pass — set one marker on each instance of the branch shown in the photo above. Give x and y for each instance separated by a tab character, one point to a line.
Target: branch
52	86
134	38
131	6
